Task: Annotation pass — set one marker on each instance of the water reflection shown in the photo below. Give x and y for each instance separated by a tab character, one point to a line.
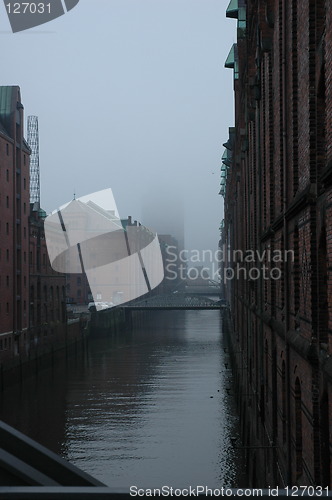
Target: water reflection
145	408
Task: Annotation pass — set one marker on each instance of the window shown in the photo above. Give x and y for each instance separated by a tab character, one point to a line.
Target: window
325	439
7	228
45	313
283	401
24	183
7	150
7	280
323	289
298	428
296	274
7	255
7	175
7	201
24	208
266	371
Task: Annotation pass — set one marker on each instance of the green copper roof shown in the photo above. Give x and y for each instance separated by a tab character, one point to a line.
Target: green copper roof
42	213
232	9
7	105
230	61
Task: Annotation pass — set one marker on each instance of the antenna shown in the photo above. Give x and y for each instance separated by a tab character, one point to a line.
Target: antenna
33	141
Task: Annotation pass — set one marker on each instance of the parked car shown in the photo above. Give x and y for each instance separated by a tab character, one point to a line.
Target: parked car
92	306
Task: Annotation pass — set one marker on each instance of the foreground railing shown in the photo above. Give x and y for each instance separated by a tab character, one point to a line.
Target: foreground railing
29	471
104	493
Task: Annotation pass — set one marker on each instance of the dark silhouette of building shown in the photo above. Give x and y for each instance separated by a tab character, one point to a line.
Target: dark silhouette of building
278	237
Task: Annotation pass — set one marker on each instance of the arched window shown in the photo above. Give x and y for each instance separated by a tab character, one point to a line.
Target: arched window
296	271
283	277
322	292
45	313
266	371
283	401
325	440
298	428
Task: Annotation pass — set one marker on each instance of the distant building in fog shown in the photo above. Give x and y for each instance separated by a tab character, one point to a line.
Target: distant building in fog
164	214
171	260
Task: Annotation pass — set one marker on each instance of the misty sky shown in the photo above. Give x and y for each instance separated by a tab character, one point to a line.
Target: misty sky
132	95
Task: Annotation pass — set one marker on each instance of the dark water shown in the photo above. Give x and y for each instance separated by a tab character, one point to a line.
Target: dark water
147	407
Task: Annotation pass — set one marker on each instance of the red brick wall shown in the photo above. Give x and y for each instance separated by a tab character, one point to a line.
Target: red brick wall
278	197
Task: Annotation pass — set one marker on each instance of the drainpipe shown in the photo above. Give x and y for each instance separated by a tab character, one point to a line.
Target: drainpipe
285	235
260	330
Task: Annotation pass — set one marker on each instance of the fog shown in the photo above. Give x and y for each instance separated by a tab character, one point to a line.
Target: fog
131	95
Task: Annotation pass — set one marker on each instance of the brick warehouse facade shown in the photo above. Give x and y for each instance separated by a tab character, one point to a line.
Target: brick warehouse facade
14	229
277	188
33	316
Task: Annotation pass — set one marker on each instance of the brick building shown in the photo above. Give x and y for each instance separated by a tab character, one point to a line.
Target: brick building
47	288
32	295
277	234
14	223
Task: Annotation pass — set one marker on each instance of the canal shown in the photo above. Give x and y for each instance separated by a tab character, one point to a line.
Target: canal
145	407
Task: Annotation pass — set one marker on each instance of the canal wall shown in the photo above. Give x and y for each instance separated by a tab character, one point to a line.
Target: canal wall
37	351
114	320
258	454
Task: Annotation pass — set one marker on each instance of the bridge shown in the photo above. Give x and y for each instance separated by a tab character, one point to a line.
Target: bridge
175	301
209	287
